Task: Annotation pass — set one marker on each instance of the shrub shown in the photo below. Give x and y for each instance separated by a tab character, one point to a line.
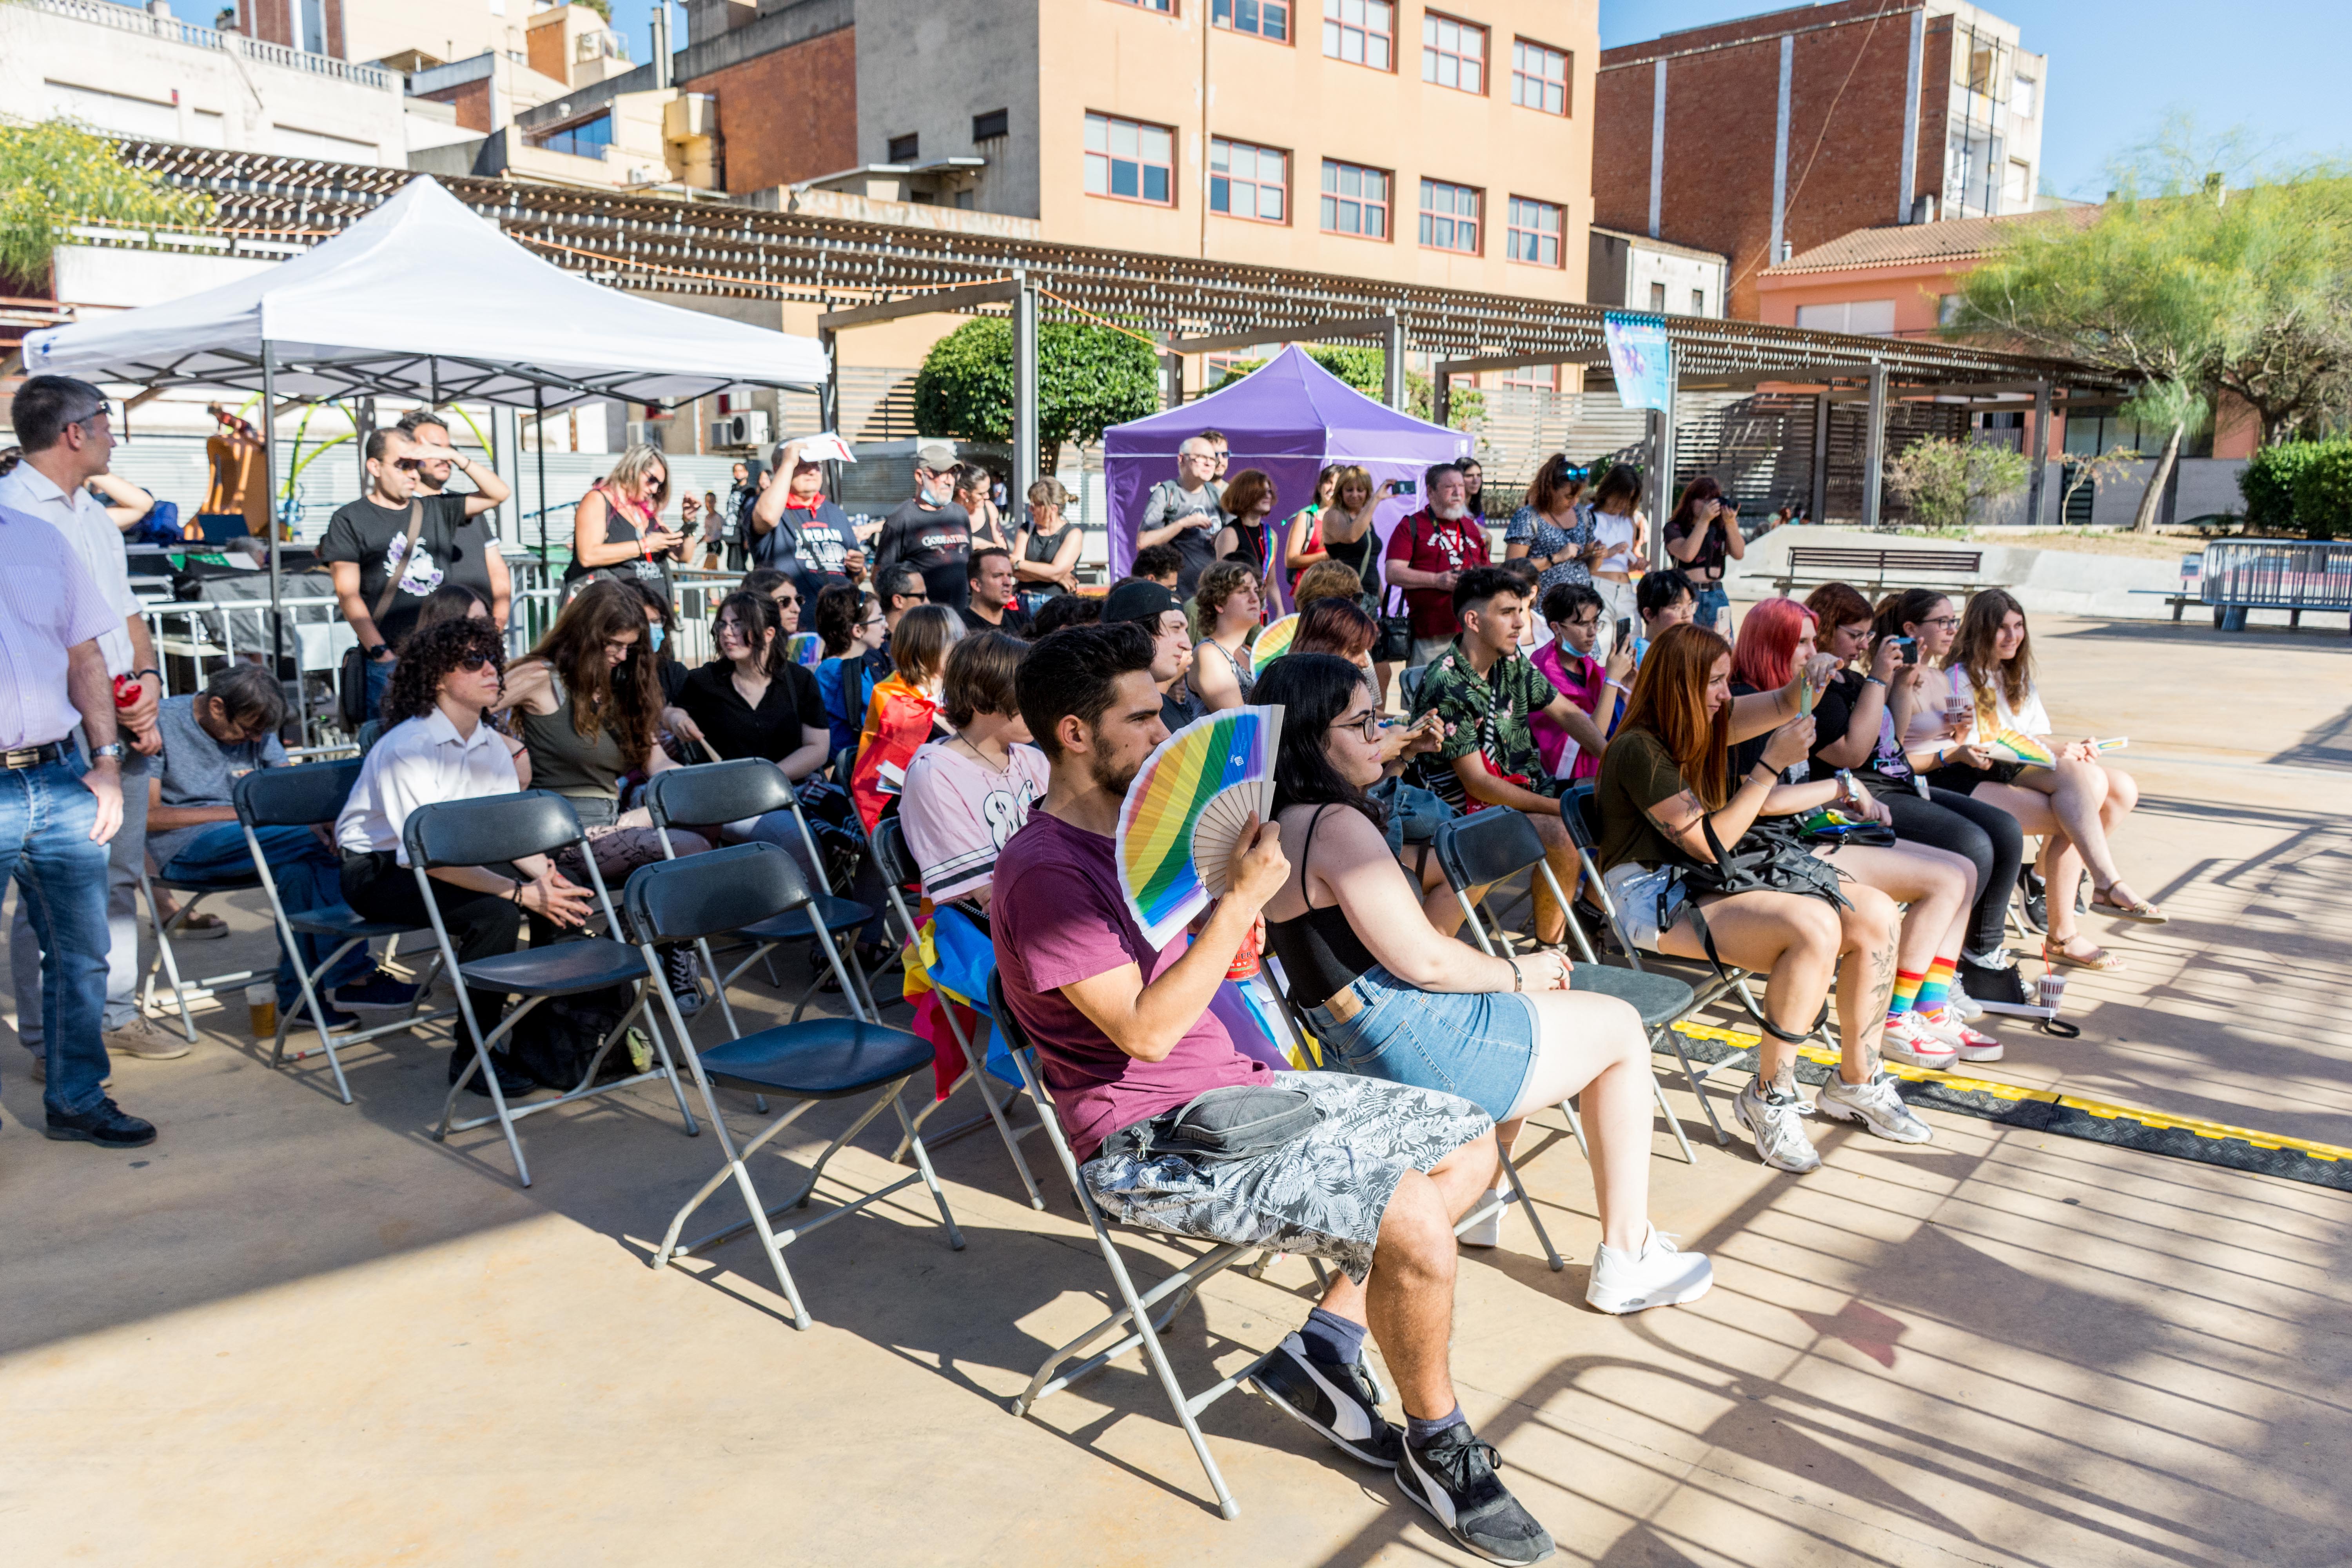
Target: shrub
2267	482
2323	490
1088	378
1942	480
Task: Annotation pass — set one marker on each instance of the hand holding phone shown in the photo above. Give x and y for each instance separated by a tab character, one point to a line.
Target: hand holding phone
1406	487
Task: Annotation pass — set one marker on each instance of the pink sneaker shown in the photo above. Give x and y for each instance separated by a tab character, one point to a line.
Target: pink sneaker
1908	1040
1970	1045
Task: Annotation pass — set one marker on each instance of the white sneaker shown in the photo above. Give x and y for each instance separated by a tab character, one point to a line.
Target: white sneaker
1487	1230
1972	1047
1657	1275
1875	1105
1967	1006
1780	1141
1909	1040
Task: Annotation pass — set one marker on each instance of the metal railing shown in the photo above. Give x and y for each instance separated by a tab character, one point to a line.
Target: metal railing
2278	574
171	29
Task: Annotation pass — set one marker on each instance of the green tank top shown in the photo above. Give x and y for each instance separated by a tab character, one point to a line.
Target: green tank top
564	760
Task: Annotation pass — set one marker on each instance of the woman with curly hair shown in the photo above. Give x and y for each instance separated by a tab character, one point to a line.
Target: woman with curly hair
438	745
1227	607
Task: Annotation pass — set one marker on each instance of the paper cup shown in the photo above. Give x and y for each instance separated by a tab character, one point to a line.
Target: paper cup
2053	988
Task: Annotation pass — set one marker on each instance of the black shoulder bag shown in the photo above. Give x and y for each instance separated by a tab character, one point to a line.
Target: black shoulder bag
1394	645
1771	858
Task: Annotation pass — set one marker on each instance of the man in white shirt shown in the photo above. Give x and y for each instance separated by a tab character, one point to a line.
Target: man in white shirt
66	432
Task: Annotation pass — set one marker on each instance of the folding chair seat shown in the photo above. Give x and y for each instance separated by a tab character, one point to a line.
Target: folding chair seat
1490	846
1148	1311
709	794
823	1059
308	796
492	831
899	870
167	959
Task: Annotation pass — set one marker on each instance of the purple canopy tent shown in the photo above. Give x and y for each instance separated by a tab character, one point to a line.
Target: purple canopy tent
1289	418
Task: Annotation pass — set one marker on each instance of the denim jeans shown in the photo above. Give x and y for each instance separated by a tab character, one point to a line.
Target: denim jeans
124	854
1712	602
309	875
46	815
378	680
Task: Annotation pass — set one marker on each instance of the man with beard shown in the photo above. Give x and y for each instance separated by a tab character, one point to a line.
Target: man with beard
1373	1180
1428	550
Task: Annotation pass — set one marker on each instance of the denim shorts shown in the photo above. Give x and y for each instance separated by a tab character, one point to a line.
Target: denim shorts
1712	602
1634	888
1479	1046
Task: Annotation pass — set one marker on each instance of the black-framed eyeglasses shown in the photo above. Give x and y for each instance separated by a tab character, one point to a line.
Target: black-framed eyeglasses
1368	727
1941	621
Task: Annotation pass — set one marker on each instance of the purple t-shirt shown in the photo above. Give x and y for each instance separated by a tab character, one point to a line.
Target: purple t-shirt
1057	919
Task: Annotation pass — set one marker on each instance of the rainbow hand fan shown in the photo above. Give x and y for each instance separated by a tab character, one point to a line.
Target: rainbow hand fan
1186	811
805	649
1272	643
2016	746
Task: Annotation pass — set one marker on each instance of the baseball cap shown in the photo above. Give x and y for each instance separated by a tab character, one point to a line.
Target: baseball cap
1139	600
936	456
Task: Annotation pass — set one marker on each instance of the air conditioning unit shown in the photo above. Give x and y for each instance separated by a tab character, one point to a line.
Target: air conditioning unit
647	432
748	427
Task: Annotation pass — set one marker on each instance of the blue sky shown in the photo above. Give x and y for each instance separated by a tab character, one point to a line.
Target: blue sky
2280	68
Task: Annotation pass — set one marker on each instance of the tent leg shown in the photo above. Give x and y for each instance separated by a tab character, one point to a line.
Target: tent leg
538	425
269	493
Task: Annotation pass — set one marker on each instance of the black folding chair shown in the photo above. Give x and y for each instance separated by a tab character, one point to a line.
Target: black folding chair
308	796
1149	1312
1491	847
899	870
1409	681
729	890
166	959
492	831
709	794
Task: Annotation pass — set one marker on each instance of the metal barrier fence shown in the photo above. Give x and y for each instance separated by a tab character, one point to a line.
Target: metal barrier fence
2278	574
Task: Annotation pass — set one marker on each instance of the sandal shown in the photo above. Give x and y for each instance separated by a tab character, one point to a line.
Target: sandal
2056	956
2139	910
204	925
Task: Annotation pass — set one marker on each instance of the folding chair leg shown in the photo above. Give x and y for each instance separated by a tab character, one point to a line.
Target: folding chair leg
164	956
311	1003
1698	1086
975	1072
1673	1123
923	1164
1543	1237
1576	1128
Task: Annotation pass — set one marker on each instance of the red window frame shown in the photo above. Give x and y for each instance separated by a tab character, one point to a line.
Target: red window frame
1338	28
1449	221
1331	194
1254	180
1556	232
1529	87
1110	158
1434	54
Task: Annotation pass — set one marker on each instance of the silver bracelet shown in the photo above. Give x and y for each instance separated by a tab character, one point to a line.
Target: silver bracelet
1518	979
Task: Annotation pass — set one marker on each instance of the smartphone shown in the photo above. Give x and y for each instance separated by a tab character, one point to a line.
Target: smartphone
1407	487
1625	630
1910	647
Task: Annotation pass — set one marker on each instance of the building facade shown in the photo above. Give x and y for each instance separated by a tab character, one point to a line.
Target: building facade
1777	133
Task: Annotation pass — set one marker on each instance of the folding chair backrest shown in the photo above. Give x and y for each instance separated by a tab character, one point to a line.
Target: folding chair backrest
300	796
712	894
1488	847
1579	813
1409	686
489	830
891	857
709	793
844	765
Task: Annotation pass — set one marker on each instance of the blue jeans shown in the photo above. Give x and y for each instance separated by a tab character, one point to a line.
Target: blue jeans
46	815
1712	603
379	679
309	875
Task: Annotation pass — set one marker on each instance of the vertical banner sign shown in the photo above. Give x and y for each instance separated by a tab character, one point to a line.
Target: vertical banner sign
1641	358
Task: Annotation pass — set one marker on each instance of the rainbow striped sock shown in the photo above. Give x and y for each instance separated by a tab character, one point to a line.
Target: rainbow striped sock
1935	989
1906	990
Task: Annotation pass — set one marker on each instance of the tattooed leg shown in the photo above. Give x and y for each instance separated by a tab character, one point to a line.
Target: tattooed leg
1865	981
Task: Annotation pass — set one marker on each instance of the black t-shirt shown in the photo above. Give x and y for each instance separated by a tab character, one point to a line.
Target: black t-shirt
935	542
1015	624
1705	568
807	545
1834	716
450	548
736	728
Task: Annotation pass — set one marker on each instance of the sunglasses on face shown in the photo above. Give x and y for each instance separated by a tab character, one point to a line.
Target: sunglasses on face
788	601
473	663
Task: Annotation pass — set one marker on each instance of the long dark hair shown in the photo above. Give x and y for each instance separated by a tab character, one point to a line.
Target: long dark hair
1312	689
1703	488
758	615
627	696
429	654
1619	480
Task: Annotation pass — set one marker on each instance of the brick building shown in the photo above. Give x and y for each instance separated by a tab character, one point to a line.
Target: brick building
1777	133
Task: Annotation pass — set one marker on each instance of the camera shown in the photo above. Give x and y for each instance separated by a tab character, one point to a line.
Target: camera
1408	486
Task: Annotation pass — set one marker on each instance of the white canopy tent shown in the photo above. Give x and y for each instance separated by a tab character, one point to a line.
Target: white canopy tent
423	299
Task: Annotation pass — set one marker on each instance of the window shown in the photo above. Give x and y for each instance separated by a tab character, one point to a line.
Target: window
2017	187
1658	300
1266	18
1449	216
905	148
2022	96
1166	7
988	127
1533	378
1453	54
1869	318
1361	32
1132	161
1698	301
1249	182
1538	78
1534	234
584	138
1355	200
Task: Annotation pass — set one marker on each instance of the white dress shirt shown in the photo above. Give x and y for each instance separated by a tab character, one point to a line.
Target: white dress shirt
47	606
81	518
417	761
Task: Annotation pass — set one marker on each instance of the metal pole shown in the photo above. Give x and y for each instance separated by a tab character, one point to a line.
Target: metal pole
1175	367
1873	445
269	489
1441	396
1819	512
539	424
2037	453
1392	355
1025	441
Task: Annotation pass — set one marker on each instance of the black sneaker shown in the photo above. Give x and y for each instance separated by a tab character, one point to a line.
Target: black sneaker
1341	1402
2001	990
1453	1476
105	1125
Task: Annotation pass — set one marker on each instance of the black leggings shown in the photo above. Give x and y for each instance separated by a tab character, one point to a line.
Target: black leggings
1987	836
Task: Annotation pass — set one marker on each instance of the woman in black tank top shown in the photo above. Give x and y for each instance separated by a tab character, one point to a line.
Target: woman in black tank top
1387	993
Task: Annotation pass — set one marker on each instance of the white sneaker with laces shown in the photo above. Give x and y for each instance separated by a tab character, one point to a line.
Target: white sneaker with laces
1874	1104
1969	1008
1780	1141
1487	1230
1972	1047
1658	1275
1908	1040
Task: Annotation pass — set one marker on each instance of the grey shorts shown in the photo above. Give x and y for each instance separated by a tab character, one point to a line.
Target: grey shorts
1322	1195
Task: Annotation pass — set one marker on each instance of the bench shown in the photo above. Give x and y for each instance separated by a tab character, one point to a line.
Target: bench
1879	570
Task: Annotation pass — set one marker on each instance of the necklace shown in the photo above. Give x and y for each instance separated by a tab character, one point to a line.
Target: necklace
982	756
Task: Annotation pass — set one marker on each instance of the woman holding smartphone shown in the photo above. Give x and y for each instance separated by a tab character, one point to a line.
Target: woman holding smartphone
617	530
1554	530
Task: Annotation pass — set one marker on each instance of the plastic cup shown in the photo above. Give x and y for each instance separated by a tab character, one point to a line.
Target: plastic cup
261	1003
2051	990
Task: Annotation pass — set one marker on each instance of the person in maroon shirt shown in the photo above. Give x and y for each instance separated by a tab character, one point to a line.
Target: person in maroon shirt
1126	1040
1428	550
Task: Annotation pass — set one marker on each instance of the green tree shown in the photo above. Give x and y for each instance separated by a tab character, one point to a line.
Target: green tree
1943	481
1366	369
54	174
1088	378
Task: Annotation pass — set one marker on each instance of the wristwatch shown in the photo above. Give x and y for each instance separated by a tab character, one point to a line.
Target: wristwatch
112	749
379	650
